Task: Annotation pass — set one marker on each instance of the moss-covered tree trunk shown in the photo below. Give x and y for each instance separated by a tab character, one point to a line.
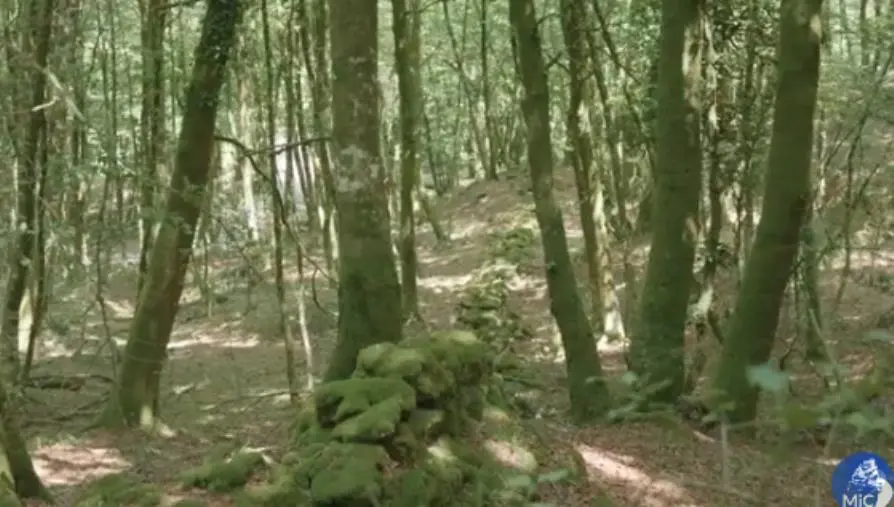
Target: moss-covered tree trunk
786	197
407	47
586	387
656	352
135	401
369	306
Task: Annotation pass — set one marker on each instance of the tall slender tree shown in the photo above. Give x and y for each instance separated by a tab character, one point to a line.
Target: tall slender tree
586	387
135	400
752	328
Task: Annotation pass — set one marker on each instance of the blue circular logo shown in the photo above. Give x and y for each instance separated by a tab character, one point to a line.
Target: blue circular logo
863	479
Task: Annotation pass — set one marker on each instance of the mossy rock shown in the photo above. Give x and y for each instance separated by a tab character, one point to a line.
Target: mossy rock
226	474
283	489
484	308
428	424
375	424
416	365
119	489
513	245
460	352
342	399
348	475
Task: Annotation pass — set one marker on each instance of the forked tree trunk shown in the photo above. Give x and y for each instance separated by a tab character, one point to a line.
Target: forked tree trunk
135	401
656	351
586	386
752	327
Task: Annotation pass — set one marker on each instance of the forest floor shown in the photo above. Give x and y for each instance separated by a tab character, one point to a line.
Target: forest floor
225	383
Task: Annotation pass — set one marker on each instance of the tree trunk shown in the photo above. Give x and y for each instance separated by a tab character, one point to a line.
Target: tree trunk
21	259
407	47
656	352
135	401
586	387
369	308
753	324
152	121
575	23
14	452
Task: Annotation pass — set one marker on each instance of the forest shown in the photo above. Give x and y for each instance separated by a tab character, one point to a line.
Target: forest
412	253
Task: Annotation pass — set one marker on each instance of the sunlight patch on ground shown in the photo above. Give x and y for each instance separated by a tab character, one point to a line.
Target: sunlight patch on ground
205	339
650	492
66	464
442	283
119	309
468	229
52	348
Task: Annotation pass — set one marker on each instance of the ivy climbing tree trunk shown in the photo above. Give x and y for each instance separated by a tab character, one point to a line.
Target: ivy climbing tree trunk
656	351
369	306
753	324
586	387
407	47
135	400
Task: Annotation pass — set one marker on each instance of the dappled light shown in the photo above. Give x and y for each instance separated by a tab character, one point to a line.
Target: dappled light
644	490
69	464
481	254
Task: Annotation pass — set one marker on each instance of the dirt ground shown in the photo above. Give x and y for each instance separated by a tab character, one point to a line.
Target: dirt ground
225	382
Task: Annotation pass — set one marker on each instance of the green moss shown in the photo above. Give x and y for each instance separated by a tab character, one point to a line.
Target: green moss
348	475
343	399
116	490
372	425
283	489
417	365
224	475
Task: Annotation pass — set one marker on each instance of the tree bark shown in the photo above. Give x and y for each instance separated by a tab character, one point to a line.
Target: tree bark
755	318
407	48
135	401
369	307
656	352
586	386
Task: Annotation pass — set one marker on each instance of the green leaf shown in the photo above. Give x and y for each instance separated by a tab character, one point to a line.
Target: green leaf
768	378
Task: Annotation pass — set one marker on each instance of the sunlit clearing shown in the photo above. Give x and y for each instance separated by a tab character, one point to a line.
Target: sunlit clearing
203	339
650	492
437	283
66	464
